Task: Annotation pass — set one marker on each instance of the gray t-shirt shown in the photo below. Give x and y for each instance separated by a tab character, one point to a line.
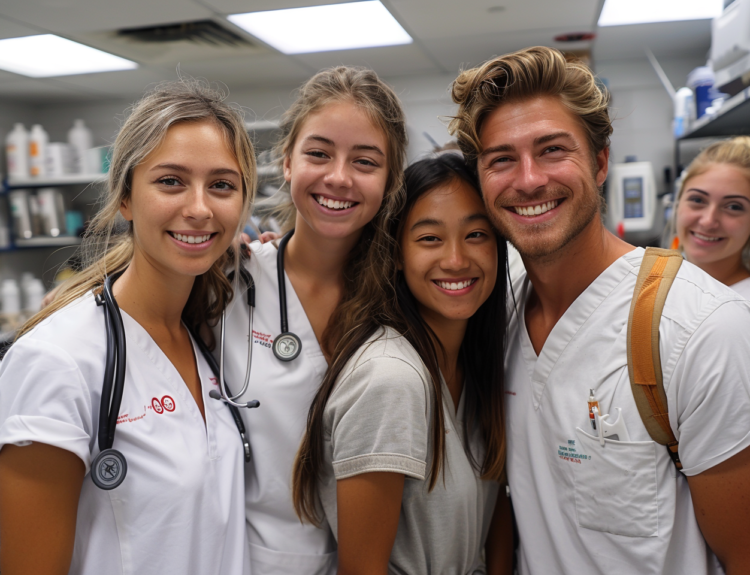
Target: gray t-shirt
378	419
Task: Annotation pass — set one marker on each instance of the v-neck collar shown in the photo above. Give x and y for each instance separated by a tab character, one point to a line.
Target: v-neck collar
139	337
574	318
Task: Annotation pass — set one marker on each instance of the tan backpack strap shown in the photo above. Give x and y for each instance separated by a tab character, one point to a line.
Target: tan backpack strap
658	270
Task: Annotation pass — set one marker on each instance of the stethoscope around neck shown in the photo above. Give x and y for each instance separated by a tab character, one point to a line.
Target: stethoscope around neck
286	345
109	467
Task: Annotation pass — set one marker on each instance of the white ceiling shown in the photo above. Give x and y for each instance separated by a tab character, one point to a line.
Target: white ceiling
448	35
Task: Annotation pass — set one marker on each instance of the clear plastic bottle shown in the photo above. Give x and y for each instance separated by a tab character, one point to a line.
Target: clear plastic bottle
17	152
82	140
38	141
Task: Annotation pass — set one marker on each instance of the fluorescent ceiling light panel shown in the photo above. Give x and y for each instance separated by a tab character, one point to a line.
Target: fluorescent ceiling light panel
49	55
621	12
325	28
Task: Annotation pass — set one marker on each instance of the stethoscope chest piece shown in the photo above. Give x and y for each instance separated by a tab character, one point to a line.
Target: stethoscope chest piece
286	346
109	469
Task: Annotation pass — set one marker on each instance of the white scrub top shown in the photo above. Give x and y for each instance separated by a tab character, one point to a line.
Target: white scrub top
279	543
742	287
584	509
179	509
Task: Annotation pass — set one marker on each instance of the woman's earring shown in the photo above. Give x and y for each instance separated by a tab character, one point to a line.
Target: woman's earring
675	243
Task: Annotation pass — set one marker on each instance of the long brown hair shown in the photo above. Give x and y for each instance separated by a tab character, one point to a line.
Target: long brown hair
385	300
107	247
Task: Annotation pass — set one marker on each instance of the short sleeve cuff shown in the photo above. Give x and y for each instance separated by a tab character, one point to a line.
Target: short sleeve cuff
717	459
21	430
379	462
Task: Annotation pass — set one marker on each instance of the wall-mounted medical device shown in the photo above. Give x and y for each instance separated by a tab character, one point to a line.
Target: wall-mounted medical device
632	197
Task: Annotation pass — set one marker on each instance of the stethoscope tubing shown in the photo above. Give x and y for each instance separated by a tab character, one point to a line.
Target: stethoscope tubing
282	281
224	393
116	331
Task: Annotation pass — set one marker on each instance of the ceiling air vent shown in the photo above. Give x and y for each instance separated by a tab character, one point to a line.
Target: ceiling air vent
198	32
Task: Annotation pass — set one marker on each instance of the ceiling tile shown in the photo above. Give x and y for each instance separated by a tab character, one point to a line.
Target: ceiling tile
258	71
9	29
440	19
242	6
455	54
67	16
386	61
665	39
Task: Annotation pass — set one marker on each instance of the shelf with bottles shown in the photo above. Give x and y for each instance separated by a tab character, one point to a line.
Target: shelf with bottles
45	217
732	119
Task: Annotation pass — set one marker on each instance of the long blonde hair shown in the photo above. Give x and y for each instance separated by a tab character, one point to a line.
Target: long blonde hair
107	247
734	152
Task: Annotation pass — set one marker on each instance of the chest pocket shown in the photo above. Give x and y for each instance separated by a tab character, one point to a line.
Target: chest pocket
615	487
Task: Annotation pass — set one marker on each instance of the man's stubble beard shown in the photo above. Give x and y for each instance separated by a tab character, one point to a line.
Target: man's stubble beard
541	248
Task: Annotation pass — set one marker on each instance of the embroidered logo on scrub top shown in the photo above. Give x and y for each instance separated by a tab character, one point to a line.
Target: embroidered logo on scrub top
166	403
263	339
569	453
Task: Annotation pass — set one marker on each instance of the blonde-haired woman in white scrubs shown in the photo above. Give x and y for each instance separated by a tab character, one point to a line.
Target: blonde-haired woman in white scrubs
712	216
343	150
180	185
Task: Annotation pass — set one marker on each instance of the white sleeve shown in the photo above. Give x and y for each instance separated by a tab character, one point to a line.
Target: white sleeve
44	398
379	419
710	387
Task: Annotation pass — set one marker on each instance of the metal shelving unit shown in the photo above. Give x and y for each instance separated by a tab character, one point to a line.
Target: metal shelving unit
733	119
10	184
66	180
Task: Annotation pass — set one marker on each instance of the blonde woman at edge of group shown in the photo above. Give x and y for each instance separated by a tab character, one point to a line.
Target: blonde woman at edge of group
342	149
182	165
405	448
711	221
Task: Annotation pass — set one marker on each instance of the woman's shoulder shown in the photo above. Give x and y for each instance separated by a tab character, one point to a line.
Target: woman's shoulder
387	354
262	254
77	329
385	374
387	343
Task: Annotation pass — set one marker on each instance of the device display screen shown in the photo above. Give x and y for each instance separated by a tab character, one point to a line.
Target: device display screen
633	191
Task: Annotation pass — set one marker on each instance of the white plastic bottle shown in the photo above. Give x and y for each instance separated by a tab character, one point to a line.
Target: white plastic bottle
33	296
11	297
38	141
684	111
82	140
17	152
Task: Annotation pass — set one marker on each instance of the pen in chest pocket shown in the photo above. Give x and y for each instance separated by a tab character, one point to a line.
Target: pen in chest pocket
592	404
